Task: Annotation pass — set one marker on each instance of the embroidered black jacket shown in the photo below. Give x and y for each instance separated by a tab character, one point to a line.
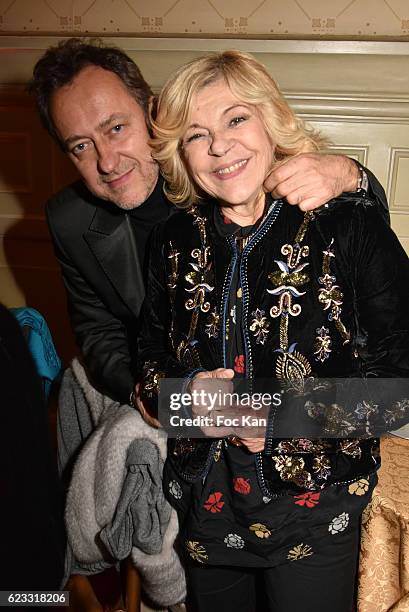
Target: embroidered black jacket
324	295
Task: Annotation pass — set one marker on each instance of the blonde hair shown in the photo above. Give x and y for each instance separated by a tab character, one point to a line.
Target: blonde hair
250	82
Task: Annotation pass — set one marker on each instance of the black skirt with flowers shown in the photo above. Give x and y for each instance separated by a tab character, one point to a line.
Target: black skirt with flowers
226	520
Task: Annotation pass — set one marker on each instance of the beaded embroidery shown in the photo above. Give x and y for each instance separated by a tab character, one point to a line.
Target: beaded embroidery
330	294
291	365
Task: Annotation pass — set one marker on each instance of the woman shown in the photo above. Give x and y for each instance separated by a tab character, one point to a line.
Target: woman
241	285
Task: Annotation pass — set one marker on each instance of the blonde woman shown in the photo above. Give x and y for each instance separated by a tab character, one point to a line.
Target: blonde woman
241	285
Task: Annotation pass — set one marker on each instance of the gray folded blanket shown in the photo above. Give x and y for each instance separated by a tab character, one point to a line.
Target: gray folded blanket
115	503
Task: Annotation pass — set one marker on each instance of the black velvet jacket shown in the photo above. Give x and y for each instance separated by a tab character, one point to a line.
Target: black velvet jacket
324	295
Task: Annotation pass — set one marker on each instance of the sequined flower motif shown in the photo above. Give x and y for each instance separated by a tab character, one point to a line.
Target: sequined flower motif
212	325
232	540
291	469
242	485
259	326
239	366
321	466
288	277
360	487
309	499
196	551
213	503
151	379
339	523
322	344
351	448
330	296
218	451
299	552
200	277
397	411
175	489
365	409
260	530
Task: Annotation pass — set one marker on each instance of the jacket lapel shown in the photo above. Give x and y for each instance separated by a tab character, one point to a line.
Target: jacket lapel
112	241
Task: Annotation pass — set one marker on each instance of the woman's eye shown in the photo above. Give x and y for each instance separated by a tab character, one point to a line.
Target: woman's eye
237	120
193	137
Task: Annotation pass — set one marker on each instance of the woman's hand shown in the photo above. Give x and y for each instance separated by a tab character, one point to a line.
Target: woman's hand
204	387
254	445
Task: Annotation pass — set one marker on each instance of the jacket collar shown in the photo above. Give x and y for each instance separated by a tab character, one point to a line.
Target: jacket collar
111	239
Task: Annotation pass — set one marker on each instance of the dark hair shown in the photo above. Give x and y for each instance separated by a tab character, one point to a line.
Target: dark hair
61	64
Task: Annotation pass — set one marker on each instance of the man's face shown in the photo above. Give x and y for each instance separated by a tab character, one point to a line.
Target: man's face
104	131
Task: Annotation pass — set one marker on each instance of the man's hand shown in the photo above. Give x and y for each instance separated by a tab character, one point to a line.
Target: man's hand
139	405
309	180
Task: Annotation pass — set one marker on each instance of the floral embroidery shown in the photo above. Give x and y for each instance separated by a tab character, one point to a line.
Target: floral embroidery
151	379
351	448
291	469
175	489
214	503
259	326
397	411
242	485
187	352
196	551
321	466
261	531
232	540
239	364
365	409
218	451
322	344
299	552
330	294
200	277
291	365
360	487
173	257
339	523
213	324
300	445
307	499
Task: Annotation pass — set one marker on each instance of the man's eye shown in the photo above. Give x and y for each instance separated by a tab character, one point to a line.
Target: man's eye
237	120
79	148
118	128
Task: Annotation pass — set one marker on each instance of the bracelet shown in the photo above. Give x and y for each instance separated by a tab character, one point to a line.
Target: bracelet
362	180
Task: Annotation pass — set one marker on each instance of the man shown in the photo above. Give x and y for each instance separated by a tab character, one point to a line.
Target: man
94	101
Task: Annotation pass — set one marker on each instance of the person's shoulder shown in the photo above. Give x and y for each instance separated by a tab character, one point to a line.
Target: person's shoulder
71	208
70	199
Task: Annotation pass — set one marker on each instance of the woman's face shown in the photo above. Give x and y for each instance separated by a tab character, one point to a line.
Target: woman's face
226	147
